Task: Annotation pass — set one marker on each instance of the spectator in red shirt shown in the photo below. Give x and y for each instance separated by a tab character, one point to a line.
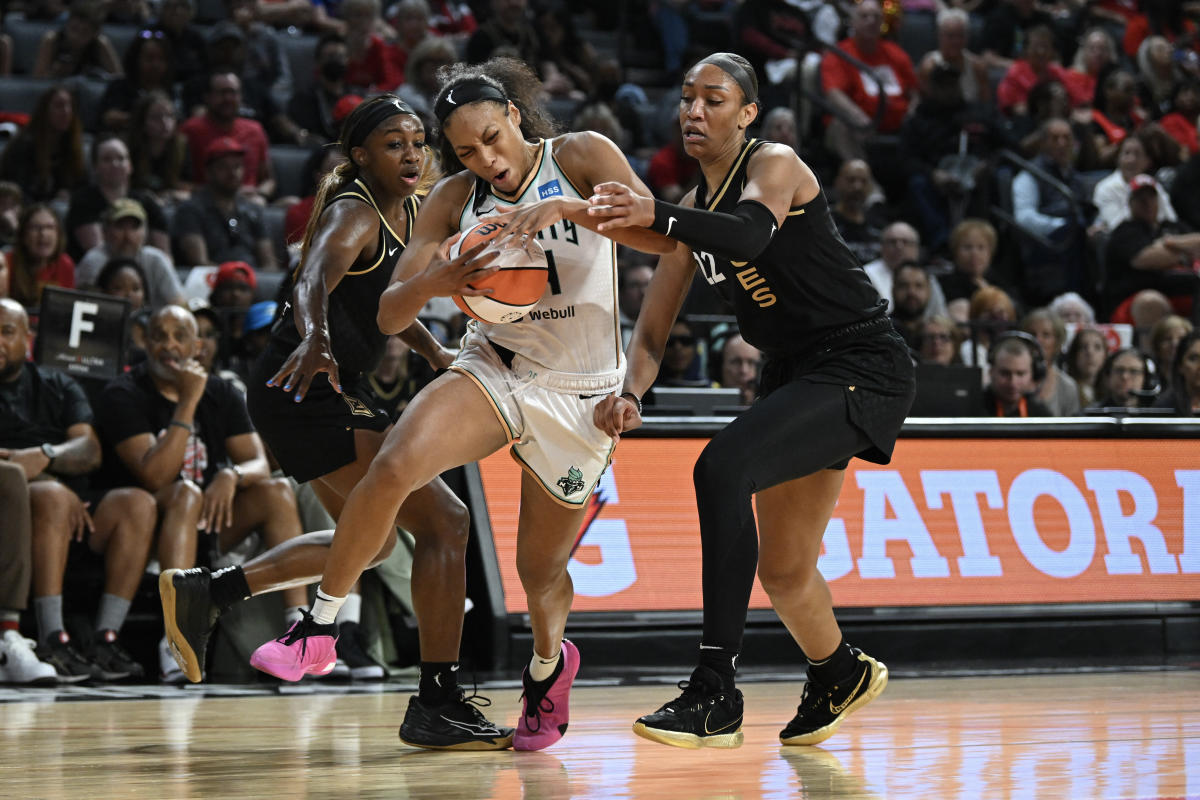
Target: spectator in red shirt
372	64
39	258
856	95
1180	122
1037	63
223	101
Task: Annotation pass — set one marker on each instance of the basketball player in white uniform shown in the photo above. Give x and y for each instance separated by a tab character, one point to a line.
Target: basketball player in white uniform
534	382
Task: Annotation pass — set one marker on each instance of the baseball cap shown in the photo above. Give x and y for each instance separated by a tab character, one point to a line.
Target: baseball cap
125	208
234	271
223	146
258	316
1142	181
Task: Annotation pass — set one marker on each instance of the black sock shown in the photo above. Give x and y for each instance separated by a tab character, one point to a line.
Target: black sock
439	679
722	661
228	586
834	668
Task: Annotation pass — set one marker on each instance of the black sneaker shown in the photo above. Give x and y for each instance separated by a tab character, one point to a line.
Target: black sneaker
71	665
113	659
822	708
457	724
703	716
189	616
352	649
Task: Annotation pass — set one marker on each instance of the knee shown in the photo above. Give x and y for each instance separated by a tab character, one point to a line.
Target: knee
391	472
136	507
49	503
278	494
782	578
713	469
452	526
183	495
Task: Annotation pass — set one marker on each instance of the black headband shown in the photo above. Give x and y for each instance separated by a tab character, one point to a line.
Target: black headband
371	119
464	93
746	80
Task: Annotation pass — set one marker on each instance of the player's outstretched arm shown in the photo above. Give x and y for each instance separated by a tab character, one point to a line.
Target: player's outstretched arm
776	179
344	231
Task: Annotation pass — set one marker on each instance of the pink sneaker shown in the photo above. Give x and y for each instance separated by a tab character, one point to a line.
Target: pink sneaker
544	716
306	649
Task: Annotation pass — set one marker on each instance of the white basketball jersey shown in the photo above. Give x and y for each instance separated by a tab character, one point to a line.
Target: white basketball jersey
575	327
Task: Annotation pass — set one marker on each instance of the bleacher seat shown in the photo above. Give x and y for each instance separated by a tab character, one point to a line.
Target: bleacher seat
288	164
88	94
120	36
300	51
27	36
20	93
918	34
275	217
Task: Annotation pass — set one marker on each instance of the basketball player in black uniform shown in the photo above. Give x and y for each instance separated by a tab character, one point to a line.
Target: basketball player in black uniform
836	384
327	431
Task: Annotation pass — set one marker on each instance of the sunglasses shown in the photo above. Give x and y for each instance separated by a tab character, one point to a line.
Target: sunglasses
681	341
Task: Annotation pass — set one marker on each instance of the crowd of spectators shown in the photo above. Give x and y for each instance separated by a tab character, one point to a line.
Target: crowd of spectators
1019	179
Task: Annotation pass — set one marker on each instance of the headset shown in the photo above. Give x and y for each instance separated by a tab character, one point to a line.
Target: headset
1031	344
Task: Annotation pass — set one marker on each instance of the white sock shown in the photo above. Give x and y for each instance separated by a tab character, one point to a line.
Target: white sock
325	608
352	609
292	614
541	667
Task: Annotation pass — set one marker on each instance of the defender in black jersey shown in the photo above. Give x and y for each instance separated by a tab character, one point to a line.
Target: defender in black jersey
324	429
837	383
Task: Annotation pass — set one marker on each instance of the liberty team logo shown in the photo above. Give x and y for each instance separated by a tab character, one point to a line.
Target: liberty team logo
572	482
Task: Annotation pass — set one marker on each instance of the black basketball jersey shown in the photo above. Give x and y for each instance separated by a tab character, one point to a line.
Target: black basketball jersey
806	284
358	345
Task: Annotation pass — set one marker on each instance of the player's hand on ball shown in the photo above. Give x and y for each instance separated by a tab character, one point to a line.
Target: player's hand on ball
615	414
620	207
449	276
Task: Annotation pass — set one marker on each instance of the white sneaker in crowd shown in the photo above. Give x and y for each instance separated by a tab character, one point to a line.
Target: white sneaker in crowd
19	664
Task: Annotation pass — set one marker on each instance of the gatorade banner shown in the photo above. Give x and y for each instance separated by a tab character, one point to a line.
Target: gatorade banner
948	522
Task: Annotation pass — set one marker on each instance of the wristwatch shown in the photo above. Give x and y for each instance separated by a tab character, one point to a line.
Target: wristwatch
238	474
50	453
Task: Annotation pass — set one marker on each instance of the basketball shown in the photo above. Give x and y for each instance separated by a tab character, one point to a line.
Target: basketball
517	285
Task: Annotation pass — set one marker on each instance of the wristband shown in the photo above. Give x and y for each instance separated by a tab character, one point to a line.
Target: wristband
636	400
183	425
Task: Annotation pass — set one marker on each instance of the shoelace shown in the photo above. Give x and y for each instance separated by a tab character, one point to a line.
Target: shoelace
691	693
818	694
534	705
301	630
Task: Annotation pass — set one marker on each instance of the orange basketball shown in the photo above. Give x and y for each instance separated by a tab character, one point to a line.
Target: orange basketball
517	286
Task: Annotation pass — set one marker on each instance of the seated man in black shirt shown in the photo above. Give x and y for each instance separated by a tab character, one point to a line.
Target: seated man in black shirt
185	436
1016	369
46	429
1143	253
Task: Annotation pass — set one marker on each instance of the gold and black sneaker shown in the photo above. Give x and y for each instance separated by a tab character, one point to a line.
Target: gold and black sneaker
822	708
189	616
705	715
456	724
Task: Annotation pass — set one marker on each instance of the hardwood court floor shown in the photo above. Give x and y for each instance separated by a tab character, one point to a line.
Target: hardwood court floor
1128	735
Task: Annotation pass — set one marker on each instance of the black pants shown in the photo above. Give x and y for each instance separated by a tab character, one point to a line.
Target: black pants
797	430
